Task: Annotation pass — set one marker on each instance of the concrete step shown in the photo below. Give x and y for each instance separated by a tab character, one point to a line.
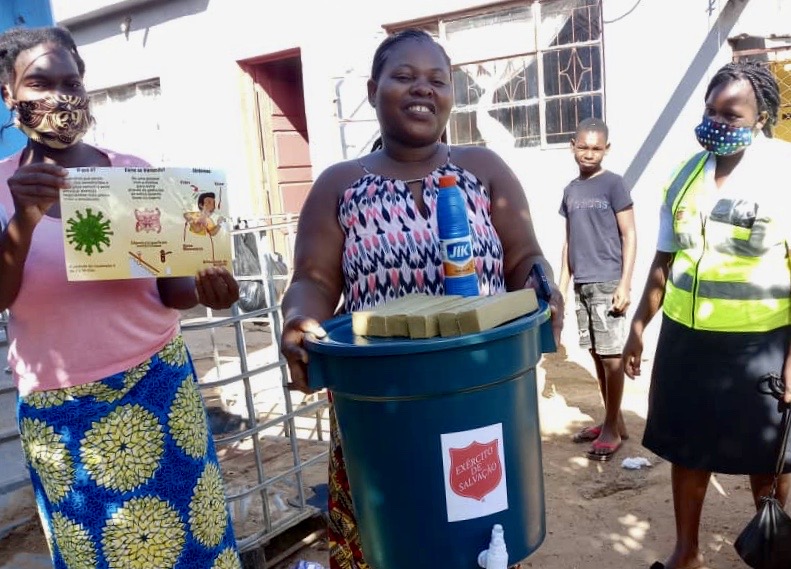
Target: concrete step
14	473
7	410
28	561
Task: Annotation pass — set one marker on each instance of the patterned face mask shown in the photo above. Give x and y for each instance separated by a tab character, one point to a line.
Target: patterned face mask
723	139
57	121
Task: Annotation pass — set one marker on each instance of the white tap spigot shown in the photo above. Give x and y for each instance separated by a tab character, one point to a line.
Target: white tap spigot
496	557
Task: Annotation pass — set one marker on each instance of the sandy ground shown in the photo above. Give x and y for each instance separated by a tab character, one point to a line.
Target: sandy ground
598	514
601	514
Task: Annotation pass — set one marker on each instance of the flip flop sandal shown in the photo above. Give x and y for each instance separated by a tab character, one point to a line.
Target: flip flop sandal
603	452
590	434
587	435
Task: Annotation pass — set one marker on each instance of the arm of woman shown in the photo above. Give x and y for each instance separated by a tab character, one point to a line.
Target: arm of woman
513	223
317	282
654	292
14	247
215	288
34	189
650	303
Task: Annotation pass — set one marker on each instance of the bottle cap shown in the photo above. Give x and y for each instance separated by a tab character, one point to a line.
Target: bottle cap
447	181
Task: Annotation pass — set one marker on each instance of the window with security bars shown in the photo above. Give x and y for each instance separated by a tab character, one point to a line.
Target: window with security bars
524	73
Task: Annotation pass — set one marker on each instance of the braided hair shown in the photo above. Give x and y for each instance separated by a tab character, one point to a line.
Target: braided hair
383	51
767	93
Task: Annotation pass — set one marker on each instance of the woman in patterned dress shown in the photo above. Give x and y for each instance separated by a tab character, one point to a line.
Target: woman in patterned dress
112	424
367	232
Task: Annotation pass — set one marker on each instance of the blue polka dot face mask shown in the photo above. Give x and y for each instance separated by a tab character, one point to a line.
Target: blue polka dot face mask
723	139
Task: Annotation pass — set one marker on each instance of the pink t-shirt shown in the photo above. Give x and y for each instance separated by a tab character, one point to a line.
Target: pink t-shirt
70	333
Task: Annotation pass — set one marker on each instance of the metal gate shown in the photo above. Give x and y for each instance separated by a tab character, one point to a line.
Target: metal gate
274	461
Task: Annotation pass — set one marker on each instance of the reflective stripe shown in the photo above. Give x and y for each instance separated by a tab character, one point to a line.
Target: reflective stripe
682	281
742	291
685	177
731	291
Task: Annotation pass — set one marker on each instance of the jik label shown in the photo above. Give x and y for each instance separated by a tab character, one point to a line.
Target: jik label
474	469
457	257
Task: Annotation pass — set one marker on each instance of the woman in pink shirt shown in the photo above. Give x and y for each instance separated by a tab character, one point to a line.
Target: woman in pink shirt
112	424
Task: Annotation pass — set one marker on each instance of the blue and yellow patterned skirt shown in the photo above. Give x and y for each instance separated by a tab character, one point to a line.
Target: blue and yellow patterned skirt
125	472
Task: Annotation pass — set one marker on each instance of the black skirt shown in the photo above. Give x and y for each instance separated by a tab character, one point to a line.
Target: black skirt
709	405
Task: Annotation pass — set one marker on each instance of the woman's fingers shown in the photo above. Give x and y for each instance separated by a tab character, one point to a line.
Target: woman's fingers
216	288
292	347
557	313
631	365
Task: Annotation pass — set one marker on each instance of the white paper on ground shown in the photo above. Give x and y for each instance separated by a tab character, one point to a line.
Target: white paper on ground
635	463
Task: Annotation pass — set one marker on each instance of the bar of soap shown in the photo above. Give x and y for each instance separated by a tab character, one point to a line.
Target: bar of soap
373	322
396	322
448	320
426	316
488	312
425	323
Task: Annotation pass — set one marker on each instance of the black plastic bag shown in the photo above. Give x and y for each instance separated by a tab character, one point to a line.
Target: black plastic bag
252	293
766	541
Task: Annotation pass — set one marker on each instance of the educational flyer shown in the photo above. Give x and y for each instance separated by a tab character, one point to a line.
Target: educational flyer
127	223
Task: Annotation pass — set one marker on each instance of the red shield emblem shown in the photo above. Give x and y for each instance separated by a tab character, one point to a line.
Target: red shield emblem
475	470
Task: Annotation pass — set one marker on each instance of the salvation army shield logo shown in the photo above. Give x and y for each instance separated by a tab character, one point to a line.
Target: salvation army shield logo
475	470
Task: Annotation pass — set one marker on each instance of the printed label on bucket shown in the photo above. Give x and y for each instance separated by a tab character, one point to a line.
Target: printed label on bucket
474	467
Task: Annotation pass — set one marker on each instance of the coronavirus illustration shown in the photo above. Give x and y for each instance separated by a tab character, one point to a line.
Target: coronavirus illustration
88	232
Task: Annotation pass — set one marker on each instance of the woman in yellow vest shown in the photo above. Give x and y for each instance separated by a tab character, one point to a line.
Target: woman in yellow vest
721	276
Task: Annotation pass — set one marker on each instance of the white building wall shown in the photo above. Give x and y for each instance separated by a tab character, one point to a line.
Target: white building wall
194	46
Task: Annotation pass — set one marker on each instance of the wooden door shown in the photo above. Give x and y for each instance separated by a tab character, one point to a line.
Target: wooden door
284	132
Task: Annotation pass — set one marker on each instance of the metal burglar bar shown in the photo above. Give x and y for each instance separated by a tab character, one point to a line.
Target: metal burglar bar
778	59
267	463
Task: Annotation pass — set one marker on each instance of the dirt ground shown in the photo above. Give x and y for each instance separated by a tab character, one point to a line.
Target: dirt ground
598	514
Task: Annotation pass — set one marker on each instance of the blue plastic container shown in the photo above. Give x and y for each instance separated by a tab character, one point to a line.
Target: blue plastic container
441	439
455	239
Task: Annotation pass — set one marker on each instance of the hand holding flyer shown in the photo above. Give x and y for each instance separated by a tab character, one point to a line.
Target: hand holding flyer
125	223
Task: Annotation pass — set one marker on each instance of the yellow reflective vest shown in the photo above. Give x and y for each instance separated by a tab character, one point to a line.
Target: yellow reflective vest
731	271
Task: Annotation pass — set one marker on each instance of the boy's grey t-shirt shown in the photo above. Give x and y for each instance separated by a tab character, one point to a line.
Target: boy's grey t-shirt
594	241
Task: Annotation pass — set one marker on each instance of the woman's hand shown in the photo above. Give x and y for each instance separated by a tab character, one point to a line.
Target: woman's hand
34	189
557	308
633	354
292	347
216	288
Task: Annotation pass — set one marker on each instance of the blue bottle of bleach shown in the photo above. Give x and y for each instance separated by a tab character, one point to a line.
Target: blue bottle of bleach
455	239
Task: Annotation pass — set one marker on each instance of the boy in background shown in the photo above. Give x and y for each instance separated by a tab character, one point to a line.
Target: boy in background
599	253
